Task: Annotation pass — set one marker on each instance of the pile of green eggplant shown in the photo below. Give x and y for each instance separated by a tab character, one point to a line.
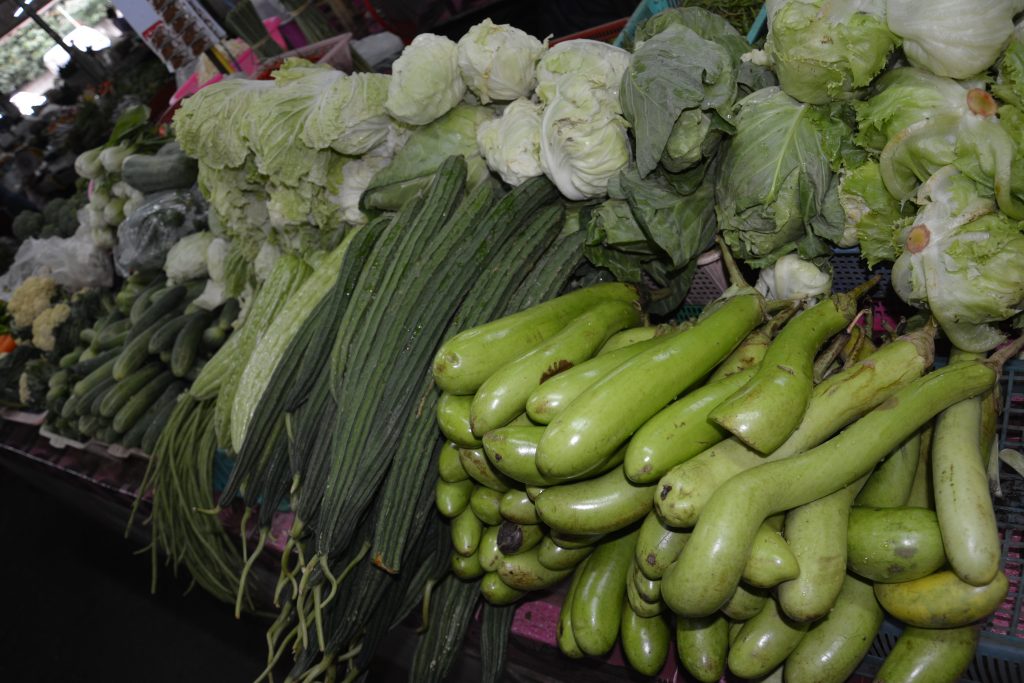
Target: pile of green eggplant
761	485
120	385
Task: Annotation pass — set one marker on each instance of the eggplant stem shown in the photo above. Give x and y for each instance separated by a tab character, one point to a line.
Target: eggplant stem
998	359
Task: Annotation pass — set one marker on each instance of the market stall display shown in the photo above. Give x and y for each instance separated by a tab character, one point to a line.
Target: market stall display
438	316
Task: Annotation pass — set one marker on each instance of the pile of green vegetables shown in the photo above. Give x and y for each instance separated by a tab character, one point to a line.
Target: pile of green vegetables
764	492
699	468
120	383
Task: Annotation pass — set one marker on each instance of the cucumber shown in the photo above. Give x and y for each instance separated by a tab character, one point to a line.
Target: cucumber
710	566
131	411
113	335
97	375
465	361
186	344
89	425
149	173
143	300
227	315
601	419
169	395
164	303
214	337
136	351
71	357
599	598
163	338
127	388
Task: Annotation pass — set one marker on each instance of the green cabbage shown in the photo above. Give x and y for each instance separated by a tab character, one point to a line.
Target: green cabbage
875	218
599	64
776	191
583	140
425	80
677	83
951	37
824	49
964	262
511	143
497	61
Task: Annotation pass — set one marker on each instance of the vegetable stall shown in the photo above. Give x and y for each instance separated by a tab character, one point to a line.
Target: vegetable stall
437	346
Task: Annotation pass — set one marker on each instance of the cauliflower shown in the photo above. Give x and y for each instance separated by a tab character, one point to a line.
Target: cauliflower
24	390
44	327
32	297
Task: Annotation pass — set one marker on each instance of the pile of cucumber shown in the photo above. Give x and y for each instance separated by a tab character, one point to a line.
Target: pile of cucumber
121	384
742	485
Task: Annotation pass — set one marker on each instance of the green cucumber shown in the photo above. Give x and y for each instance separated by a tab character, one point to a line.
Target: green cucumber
113	335
99	374
680	431
711	564
503	395
162	304
71	357
135	353
599	598
466	360
163	338
834	646
133	436
892	545
186	343
132	410
125	389
601	419
144	299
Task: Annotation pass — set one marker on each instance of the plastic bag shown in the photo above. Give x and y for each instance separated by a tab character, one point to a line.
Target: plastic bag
74	262
145	237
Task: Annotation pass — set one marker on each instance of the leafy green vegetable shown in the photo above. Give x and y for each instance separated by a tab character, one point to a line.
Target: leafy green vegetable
674	73
497	61
427	147
511	143
950	37
775	191
824	49
425	80
648	228
600	64
876	217
964	262
583	140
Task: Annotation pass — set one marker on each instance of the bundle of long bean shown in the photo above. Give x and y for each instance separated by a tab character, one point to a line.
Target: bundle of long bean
180	474
246	22
309	19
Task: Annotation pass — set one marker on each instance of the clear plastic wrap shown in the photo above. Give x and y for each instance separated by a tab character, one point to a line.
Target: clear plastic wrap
145	237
